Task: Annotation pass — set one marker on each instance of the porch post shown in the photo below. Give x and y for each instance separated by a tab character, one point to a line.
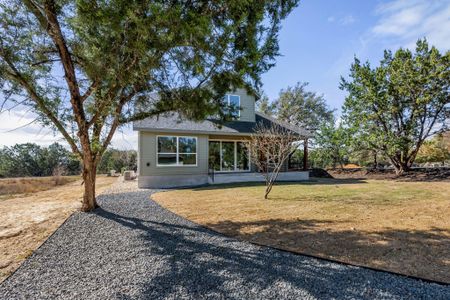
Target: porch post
305	154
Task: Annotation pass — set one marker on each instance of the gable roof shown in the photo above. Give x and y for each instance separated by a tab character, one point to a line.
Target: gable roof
173	123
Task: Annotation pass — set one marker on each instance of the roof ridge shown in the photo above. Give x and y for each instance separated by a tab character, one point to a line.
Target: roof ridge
292	127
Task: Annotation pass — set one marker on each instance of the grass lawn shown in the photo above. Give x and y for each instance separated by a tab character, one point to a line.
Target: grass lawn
28	218
397	226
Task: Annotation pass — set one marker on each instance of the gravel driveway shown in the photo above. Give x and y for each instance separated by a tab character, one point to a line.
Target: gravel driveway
132	248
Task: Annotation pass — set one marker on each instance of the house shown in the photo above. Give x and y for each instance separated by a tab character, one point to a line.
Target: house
174	153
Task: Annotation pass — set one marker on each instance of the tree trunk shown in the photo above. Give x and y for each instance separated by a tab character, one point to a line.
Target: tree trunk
401	167
305	155
89	176
375	160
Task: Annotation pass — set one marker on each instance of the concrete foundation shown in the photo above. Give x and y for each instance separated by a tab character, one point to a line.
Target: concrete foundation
171	181
255	177
174	181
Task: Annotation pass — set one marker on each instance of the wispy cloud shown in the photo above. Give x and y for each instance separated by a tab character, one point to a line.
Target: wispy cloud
19	126
408	20
345	20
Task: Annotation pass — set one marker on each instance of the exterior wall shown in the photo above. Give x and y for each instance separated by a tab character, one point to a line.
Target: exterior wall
148	158
247	104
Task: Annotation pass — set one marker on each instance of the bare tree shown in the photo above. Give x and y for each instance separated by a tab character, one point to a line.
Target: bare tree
269	148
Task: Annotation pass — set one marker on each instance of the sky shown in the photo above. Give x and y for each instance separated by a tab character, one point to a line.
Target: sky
318	43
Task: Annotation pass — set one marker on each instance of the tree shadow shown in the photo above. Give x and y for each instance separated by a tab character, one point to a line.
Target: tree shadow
200	263
418	253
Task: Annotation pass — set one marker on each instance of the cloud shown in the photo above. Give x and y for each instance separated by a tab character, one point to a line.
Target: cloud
19	126
407	21
347	20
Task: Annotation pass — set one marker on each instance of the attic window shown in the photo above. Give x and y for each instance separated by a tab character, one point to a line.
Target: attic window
235	101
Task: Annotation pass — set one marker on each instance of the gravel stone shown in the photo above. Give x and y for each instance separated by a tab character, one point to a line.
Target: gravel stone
132	248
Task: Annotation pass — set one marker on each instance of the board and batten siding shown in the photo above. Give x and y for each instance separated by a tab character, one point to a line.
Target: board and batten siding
148	154
247	104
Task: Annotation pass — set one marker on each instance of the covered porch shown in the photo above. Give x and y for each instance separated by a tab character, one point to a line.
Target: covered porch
229	162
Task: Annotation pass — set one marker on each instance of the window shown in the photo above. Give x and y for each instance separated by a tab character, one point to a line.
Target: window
228	156
177	151
235	102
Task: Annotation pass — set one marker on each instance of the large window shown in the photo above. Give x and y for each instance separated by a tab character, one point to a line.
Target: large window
235	102
228	156
177	151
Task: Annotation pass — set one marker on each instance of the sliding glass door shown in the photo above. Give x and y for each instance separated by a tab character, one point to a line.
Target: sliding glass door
227	151
228	156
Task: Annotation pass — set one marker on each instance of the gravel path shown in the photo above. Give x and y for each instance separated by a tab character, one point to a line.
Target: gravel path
132	248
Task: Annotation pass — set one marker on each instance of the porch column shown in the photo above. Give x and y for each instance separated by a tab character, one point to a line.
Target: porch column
305	154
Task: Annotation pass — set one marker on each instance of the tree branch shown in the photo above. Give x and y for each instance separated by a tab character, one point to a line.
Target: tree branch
16	76
90	90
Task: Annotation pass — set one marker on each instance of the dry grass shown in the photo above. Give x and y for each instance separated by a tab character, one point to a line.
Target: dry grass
12	186
402	227
27	220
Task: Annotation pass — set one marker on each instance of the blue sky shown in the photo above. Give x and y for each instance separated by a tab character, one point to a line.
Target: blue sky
321	37
318	42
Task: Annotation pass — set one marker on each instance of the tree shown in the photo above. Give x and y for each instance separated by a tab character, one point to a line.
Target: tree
397	105
333	144
29	159
435	150
127	60
300	107
118	160
265	106
269	148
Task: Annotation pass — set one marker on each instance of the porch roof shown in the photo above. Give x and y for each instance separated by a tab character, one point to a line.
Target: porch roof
173	123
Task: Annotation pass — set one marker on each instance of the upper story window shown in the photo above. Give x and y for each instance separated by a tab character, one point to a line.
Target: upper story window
235	101
177	151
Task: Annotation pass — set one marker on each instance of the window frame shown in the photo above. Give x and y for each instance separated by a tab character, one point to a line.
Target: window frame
235	170
177	153
227	96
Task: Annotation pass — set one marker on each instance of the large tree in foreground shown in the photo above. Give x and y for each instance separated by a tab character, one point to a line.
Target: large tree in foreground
84	66
394	107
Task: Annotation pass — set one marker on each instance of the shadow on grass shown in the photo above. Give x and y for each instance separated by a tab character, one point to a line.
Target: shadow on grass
203	264
418	253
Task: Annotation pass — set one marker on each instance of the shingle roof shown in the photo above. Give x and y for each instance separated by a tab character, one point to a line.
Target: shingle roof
172	123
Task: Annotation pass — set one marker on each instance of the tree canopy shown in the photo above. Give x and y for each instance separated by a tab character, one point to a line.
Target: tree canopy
396	106
22	160
298	106
85	66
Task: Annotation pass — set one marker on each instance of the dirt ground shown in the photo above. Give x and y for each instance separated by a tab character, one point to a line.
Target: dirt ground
27	220
402	227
